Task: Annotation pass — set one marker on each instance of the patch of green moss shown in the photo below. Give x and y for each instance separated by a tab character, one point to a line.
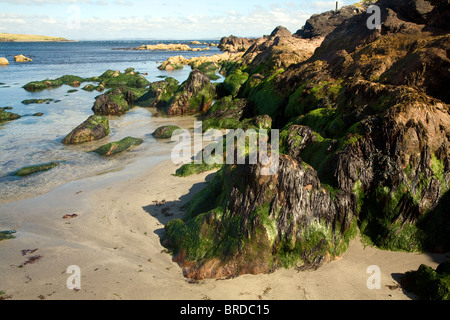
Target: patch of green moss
71	80
190	169
36	101
232	83
36	169
6	235
42	85
427	283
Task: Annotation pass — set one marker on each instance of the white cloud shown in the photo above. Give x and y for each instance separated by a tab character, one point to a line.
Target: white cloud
256	22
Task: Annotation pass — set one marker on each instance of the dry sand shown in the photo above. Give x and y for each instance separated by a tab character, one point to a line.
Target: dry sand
115	240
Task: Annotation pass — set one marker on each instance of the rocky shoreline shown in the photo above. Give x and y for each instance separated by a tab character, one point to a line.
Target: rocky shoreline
364	122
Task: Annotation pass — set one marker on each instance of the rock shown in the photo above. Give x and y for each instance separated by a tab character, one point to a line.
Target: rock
113	102
235	44
364	144
194	95
166	47
42	85
159	94
7	234
7	116
225	114
278	220
119	146
94	128
38	114
3	61
22	58
36	101
36	169
165	132
427	283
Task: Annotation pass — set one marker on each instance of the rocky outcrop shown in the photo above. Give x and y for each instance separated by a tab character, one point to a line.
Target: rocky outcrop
235	44
365	133
3	61
22	58
94	128
194	96
279	51
118	146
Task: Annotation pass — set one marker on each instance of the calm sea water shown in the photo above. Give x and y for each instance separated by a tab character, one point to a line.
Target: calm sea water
36	140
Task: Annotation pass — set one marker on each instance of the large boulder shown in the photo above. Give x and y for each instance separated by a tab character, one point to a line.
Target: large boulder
113	102
195	95
3	61
94	128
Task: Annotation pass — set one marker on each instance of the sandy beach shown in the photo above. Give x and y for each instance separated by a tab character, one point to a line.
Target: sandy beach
115	241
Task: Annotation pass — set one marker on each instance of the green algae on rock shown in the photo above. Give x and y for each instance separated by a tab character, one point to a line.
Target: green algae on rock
7	234
118	146
95	127
165	132
37	101
36	169
7	116
427	283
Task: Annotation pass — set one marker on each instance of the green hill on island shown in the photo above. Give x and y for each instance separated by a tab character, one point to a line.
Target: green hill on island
9	37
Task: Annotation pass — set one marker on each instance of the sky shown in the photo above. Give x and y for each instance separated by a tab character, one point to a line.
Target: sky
156	19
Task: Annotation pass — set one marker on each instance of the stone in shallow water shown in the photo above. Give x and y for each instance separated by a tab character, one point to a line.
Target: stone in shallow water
95	127
118	146
35	169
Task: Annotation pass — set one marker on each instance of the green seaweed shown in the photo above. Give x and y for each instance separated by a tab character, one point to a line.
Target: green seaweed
36	169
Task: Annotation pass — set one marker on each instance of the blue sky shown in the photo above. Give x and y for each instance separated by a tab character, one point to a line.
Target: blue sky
155	19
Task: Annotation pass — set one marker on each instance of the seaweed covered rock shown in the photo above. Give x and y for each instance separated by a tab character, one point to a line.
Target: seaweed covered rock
7	116
245	222
226	113
118	146
165	132
429	284
195	95
159	94
95	127
113	102
365	127
36	169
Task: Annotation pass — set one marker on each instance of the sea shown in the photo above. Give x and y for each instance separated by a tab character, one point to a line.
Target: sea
33	140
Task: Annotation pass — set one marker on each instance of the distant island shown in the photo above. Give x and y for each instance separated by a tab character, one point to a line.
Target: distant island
9	37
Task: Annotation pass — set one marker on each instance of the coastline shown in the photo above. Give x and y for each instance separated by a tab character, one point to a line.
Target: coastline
115	240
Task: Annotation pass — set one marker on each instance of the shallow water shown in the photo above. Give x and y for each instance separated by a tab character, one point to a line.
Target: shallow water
34	140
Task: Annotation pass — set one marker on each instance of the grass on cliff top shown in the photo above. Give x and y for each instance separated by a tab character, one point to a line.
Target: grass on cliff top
28	38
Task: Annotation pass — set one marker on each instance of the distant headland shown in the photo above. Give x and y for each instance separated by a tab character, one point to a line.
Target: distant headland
9	37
